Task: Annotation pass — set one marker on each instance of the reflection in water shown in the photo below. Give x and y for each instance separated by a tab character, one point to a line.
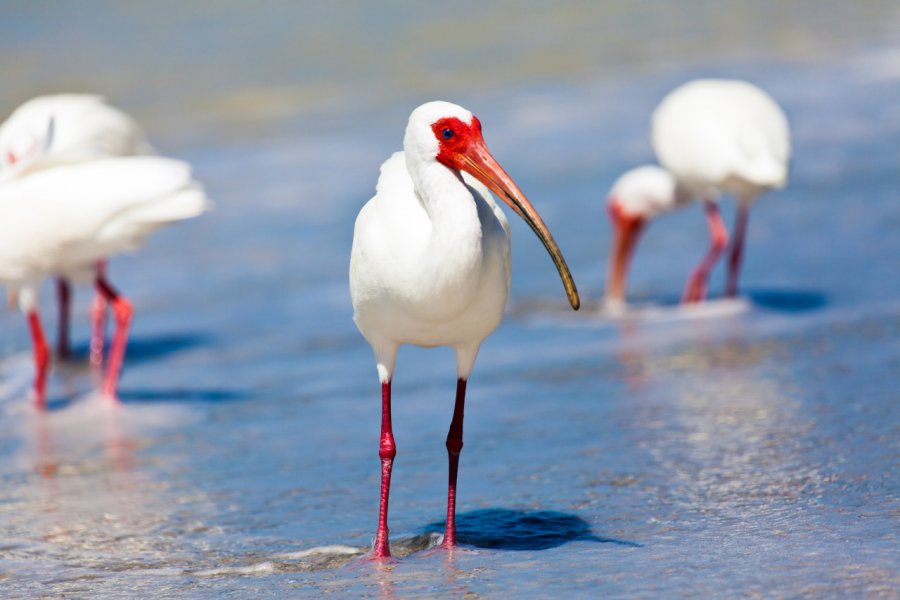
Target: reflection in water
727	439
90	498
386	580
82	500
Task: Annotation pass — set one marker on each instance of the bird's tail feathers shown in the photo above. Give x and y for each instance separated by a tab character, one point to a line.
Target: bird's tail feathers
177	206
768	174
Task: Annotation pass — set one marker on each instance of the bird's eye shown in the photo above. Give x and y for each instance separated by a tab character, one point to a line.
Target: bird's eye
447	133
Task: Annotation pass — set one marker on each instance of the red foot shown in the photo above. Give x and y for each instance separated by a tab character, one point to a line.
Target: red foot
381	551
379	560
39	397
695	291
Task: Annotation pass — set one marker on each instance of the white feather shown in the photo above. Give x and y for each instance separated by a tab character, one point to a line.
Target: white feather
430	263
49	131
719	135
62	219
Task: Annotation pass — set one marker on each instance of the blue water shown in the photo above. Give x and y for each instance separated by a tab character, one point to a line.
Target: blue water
746	449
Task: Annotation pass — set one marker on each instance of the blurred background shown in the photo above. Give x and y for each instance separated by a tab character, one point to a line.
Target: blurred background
743	453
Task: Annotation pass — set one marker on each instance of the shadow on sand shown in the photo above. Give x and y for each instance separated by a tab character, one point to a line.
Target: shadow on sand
152	347
182	395
511	529
790	301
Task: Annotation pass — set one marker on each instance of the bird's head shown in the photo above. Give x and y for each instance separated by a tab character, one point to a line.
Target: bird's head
23	144
636	197
451	135
645	192
441	131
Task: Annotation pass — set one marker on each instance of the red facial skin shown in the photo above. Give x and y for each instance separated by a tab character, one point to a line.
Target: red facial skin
463	137
465	150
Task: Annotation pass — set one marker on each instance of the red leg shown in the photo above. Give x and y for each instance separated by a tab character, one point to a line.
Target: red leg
695	291
64	295
737	249
123	312
98	320
41	358
387	451
454	447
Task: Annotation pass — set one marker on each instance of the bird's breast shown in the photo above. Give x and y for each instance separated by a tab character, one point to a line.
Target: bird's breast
418	283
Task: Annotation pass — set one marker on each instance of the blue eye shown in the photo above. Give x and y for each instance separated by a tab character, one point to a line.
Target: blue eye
447	133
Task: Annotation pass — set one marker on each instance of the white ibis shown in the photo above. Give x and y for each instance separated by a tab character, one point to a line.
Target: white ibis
64	129
58	220
714	136
430	264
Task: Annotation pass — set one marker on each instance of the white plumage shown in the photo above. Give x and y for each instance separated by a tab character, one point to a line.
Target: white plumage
430	263
722	136
65	129
647	191
713	136
60	129
408	287
61	219
65	207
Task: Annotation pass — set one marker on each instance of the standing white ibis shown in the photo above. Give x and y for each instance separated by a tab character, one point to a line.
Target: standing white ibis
58	220
65	129
714	136
430	264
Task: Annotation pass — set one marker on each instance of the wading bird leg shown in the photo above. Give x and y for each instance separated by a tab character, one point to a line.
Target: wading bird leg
122	311
737	249
454	447
98	320
387	451
695	291
64	295
41	358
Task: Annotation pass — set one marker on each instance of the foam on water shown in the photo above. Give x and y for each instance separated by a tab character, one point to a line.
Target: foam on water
711	309
321	558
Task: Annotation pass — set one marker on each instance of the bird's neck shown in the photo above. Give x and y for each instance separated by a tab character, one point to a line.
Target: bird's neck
450	206
452	262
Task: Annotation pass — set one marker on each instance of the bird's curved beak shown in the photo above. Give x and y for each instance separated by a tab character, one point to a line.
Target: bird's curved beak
478	162
626	231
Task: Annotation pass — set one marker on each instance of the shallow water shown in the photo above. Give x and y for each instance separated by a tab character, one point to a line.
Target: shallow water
747	448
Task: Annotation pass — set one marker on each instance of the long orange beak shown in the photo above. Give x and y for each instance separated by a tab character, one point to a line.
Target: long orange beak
626	231
478	162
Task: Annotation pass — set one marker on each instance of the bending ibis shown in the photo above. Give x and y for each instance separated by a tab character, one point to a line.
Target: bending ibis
713	136
64	129
430	264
